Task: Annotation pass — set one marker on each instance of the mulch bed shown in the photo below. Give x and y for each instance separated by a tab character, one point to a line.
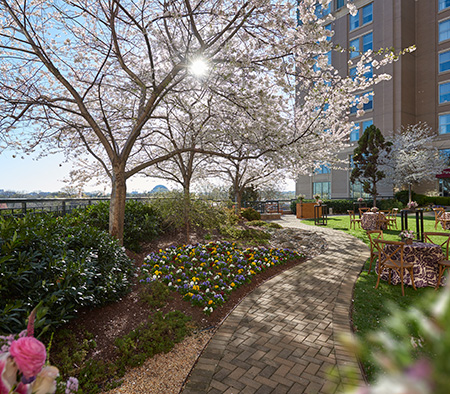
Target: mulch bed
118	319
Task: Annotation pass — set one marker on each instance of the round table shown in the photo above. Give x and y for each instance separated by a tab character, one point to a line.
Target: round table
373	221
425	257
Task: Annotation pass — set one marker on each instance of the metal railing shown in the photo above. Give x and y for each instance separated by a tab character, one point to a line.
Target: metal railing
62	206
272	206
59	206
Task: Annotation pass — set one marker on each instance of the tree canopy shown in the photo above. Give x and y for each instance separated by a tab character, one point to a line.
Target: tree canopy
99	78
412	157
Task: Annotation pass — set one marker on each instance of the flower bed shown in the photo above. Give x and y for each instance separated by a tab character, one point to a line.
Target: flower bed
206	274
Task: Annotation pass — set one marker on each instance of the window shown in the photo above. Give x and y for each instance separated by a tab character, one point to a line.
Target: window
339	4
367	42
444	124
366	124
444	61
352	72
369	73
367	14
354	133
322	188
444	30
357	190
354	21
359	128
350	161
444	93
369	105
323	169
443	4
445	154
321	11
354	48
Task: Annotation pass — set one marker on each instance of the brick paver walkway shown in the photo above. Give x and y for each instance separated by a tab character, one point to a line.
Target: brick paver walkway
283	337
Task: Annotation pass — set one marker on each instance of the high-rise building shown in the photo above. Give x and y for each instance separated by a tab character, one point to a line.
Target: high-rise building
419	90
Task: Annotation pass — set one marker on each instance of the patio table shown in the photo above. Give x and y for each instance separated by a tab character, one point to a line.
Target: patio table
425	257
373	221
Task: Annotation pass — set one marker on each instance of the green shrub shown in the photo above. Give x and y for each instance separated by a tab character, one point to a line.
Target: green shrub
156	294
159	335
442	200
403	196
142	222
202	214
250	214
258	223
61	262
389	203
339	206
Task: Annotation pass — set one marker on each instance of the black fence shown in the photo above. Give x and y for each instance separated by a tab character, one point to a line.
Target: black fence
59	206
273	206
62	206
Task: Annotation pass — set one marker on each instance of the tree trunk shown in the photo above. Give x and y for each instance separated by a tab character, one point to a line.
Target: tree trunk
238	201
187	212
409	193
117	204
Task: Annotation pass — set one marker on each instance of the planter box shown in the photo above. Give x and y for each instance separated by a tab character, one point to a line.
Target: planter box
306	210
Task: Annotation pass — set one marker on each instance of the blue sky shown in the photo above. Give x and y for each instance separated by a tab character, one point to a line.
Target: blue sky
47	174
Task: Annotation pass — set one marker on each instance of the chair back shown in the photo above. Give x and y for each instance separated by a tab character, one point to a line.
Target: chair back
394	212
363	210
438	212
351	213
442	239
394	255
372	235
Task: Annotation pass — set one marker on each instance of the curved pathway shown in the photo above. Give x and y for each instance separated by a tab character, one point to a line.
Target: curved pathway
283	337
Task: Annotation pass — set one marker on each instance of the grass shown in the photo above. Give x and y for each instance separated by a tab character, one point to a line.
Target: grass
370	306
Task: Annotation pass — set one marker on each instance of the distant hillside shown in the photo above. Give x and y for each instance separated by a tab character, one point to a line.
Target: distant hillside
159	189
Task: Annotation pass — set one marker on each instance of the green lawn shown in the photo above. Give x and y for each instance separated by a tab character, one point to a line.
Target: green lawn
370	304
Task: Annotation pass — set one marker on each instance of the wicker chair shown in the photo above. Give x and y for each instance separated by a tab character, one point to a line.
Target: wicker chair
443	264
373	234
393	260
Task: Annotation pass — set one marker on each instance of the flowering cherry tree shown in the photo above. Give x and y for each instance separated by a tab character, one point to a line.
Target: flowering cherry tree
413	158
96	77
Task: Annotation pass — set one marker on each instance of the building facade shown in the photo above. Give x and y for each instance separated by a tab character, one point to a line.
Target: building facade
419	90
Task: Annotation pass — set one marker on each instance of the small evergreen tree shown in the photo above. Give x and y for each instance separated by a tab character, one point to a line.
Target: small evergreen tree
367	160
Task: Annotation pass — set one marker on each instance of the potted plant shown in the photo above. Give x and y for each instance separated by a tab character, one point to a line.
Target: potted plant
412	205
407	236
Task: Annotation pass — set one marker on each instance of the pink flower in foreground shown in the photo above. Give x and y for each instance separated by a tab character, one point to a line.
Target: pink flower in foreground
29	355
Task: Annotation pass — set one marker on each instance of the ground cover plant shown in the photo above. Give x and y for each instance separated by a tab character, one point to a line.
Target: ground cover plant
373	307
206	274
